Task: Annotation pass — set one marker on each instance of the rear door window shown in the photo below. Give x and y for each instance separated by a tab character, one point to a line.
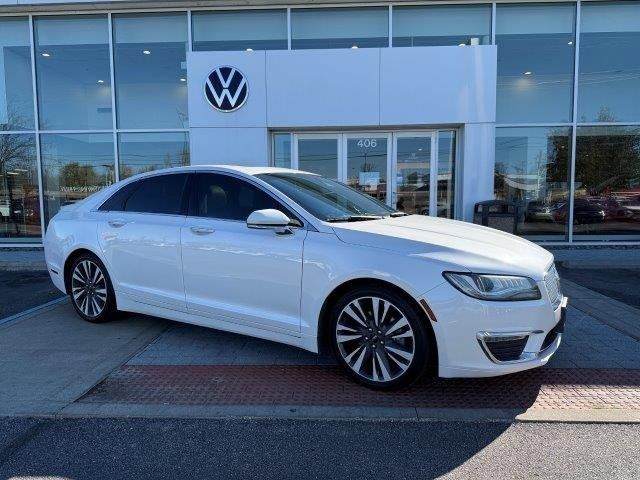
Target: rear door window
162	194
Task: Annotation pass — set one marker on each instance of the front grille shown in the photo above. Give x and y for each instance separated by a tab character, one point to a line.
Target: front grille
552	284
506	350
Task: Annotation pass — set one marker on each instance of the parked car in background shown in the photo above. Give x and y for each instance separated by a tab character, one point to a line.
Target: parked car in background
296	258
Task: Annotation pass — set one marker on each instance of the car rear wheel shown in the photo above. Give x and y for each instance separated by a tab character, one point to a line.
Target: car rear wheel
91	290
379	338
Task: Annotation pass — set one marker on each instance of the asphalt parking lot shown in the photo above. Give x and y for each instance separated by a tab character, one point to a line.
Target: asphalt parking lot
24	289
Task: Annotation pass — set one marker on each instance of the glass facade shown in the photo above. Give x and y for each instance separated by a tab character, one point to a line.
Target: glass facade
416	26
340	27
609	88
149	54
143	152
532	168
72	70
607	185
73	167
535	62
239	30
105	96
16	91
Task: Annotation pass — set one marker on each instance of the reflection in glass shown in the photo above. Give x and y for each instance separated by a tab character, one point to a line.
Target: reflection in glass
535	62
339	27
413	174
367	165
73	74
319	156
609	80
441	25
532	166
144	152
240	30
19	200
16	91
446	172
74	166
151	70
281	155
607	188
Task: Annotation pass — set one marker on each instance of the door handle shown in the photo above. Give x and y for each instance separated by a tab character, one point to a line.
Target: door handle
202	230
117	223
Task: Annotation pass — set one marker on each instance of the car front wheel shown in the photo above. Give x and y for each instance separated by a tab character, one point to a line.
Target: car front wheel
379	338
91	290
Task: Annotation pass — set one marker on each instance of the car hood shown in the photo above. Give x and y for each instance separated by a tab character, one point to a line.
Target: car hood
460	245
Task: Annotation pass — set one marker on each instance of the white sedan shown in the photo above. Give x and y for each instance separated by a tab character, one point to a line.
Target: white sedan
296	258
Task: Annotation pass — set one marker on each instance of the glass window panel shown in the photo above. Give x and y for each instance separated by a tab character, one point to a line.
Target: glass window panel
607	188
73	74
74	166
609	80
446	173
16	87
319	156
144	152
441	25
532	168
151	70
367	165
19	200
282	150
339	27
413	174
240	30
535	63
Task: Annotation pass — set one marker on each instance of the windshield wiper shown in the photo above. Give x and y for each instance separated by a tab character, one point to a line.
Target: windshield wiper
353	218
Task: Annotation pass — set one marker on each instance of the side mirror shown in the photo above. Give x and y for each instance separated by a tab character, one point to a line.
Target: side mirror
270	219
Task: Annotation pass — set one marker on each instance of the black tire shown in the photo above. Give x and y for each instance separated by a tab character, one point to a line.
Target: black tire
91	291
384	350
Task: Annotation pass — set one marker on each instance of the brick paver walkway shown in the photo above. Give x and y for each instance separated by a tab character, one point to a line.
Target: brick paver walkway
546	388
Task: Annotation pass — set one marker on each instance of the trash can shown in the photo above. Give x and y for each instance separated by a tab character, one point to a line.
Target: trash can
499	214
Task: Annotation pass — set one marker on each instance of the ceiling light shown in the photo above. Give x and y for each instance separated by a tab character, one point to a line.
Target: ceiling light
249	50
45	54
146	52
570	42
183	79
354	47
528	73
462	44
13	173
100	81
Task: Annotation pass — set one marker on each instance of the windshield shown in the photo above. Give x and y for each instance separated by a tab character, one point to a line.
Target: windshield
326	199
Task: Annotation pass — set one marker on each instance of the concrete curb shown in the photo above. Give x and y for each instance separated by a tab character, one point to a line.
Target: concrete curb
25	313
119	410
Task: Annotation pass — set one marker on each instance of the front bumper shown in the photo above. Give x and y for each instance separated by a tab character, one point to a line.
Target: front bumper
509	348
465	328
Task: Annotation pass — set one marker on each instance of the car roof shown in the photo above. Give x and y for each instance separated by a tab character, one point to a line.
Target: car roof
246	170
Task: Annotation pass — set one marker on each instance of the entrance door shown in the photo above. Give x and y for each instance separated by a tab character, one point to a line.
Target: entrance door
398	168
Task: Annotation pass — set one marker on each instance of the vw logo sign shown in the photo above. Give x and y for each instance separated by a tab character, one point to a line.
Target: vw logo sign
226	89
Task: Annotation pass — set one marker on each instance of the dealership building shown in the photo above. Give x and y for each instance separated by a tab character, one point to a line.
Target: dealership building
428	106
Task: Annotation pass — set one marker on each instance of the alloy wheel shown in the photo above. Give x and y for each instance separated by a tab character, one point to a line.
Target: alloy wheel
89	288
375	339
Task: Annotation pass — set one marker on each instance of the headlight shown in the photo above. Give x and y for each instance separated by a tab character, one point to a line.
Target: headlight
494	287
